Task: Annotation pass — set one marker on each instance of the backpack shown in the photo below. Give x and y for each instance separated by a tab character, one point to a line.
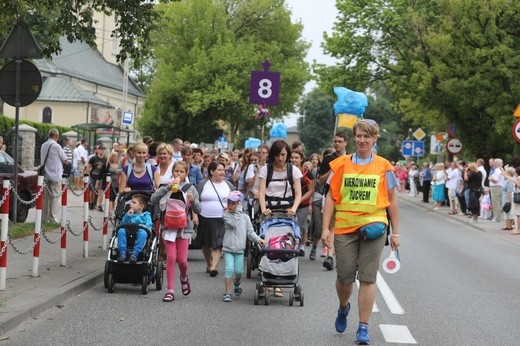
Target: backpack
270	200
282	242
148	169
177	206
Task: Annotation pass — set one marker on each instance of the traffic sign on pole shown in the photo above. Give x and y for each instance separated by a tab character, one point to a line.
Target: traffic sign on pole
516	130
419	134
412	148
454	146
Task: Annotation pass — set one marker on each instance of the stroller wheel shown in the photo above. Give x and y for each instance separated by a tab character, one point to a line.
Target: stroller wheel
159	276
266	297
301	298
144	284
249	264
105	275
256	296
291	299
111	283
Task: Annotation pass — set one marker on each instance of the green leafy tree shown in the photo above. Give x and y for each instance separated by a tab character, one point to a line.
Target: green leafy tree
49	20
316	127
205	51
447	61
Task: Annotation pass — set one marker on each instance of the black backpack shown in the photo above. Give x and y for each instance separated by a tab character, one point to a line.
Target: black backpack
274	202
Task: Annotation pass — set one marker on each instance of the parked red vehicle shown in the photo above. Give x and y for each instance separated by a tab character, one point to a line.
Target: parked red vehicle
27	185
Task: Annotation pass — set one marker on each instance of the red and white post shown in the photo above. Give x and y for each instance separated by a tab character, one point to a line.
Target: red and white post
64	184
86	200
3	237
38	228
105	216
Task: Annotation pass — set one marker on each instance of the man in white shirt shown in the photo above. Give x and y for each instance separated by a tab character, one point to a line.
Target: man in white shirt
482	169
452	182
496	182
177	148
80	160
53	157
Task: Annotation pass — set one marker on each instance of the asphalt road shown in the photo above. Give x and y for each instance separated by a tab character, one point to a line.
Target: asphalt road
457	285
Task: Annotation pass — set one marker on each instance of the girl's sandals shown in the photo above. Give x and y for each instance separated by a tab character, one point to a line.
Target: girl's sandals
226	297
185	286
168	297
238	290
278	292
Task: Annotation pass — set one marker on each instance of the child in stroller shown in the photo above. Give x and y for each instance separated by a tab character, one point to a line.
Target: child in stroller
135	215
279	266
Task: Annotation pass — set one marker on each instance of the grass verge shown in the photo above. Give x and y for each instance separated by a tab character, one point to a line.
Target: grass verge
20	230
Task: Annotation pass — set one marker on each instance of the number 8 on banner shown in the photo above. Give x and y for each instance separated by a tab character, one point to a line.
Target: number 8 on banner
264	87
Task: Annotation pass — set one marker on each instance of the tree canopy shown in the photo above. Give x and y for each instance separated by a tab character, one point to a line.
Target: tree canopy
51	19
205	53
445	62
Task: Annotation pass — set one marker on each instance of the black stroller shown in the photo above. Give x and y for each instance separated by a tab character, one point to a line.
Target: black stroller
279	265
148	268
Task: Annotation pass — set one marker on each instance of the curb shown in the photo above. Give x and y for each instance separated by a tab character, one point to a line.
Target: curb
17	316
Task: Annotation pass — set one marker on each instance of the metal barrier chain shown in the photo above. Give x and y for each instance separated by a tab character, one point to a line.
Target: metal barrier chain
40	191
95	191
77	194
4	197
26	251
2	250
58	195
72	232
94	227
51	241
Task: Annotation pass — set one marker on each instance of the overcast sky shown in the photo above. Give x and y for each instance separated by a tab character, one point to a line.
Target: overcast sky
316	16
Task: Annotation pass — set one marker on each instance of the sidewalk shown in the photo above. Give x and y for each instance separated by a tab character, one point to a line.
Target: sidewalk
25	296
487	226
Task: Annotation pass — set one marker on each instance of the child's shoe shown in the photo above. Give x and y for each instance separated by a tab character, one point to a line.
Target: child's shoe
226	297
185	285
133	258
238	290
122	257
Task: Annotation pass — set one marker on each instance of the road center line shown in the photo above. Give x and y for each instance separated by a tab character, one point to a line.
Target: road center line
389	296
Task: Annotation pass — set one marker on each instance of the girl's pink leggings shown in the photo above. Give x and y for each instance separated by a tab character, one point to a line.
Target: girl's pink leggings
176	252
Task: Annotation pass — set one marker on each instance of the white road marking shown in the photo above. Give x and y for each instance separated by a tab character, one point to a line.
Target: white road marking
389	296
397	334
374	308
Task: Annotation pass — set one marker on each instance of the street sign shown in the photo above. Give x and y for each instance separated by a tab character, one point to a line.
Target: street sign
128	118
412	148
452	131
30	83
516	113
419	134
264	87
454	146
516	130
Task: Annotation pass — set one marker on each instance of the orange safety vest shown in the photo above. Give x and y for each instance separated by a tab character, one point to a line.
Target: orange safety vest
359	192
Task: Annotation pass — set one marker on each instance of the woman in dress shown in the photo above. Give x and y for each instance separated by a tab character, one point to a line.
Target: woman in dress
213	194
114	181
438	182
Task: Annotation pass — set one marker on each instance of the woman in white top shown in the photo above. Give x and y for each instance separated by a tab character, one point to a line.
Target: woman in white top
165	154
213	194
278	194
439	182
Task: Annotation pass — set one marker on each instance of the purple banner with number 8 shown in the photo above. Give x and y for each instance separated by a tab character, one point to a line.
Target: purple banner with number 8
264	88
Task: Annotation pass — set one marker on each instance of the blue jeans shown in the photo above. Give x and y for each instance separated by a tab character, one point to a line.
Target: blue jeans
139	242
234	265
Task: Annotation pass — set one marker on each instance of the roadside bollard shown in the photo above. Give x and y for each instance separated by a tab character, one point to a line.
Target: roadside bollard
86	200
3	236
38	228
105	216
64	185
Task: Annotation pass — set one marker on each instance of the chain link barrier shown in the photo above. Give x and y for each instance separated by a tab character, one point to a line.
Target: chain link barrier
94	227
72	188
30	202
95	191
44	235
4	197
57	195
2	250
24	252
68	228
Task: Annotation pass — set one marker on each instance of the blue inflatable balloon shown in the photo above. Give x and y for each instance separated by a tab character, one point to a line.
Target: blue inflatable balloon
252	143
350	102
279	130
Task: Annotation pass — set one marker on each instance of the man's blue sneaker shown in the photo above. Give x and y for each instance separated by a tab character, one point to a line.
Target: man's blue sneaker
362	337
341	320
